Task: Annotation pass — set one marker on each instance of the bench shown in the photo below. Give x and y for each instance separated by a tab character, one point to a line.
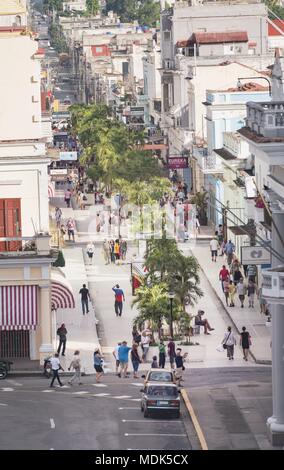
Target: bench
196	330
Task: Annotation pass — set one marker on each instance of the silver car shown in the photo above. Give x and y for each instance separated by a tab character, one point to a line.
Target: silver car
160	397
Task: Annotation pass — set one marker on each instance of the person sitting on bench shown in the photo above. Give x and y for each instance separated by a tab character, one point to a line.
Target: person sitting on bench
203	322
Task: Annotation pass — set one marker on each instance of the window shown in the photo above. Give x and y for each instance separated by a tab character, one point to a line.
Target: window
99	50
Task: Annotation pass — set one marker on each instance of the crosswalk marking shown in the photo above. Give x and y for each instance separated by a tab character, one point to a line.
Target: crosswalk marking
101	394
7	389
47	391
135	399
79	393
99	385
137	384
123	396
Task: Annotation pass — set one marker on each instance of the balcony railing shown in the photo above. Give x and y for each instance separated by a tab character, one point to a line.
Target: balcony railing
25	246
266	118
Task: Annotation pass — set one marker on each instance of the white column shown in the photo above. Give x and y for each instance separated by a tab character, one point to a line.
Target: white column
46	347
276	422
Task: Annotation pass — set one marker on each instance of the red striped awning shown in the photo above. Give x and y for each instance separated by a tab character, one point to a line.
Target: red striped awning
19	307
61	292
51	190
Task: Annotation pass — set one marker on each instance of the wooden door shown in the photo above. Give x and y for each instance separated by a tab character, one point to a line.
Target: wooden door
10	223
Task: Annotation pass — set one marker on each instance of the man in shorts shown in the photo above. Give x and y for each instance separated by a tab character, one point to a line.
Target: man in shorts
214	245
123	352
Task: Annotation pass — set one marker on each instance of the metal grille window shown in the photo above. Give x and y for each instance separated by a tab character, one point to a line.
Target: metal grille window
14	344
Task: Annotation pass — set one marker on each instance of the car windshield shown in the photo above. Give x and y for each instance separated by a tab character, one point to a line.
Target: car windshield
160	377
162	391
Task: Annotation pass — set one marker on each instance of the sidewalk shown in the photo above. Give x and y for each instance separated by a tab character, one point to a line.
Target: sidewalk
248	317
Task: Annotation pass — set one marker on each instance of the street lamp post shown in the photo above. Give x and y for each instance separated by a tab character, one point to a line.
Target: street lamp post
239	84
171	297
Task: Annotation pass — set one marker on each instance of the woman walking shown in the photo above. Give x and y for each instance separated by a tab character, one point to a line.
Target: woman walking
232	293
245	342
106	252
229	342
117	250
226	285
135	359
98	359
76	365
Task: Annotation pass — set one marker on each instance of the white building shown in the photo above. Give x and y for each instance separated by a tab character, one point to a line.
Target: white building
264	131
13	13
74	5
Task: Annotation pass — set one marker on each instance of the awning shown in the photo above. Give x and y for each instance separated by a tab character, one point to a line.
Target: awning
18	307
51	190
242	230
61	291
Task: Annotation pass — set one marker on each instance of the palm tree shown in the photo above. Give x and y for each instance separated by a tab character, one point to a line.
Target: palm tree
160	257
183	279
153	306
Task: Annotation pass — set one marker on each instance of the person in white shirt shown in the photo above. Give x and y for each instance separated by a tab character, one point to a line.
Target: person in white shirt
145	344
90	252
76	365
55	366
229	341
214	245
115	355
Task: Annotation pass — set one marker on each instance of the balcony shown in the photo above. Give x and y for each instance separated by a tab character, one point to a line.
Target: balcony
266	118
26	247
273	285
209	164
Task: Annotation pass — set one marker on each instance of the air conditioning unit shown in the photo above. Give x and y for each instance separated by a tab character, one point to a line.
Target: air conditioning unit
36	118
34	79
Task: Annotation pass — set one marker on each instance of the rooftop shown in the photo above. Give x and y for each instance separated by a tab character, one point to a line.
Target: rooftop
259	139
273	31
248	87
215	38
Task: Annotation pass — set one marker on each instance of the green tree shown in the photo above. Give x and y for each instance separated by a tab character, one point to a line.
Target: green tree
160	257
93	6
153	306
183	279
200	199
60	262
274	6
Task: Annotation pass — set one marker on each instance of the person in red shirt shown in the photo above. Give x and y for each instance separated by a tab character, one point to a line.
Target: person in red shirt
223	275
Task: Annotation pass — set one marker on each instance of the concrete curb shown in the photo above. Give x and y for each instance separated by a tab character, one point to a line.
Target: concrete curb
257	361
194	420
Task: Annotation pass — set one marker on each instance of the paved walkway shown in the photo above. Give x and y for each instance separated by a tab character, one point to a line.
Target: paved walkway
254	321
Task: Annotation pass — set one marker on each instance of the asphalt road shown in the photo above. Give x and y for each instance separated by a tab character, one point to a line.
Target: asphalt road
86	417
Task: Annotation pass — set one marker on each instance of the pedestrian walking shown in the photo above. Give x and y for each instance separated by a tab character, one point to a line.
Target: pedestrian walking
232	293
226	284
116	250
98	223
179	363
76	366
229	342
106	252
245	342
172	352
67	197
71	229
251	291
119	298
62	332
251	272
223	274
199	321
98	365
111	249
62	235
83	200
262	301
214	245
229	250
90	252
237	275
123	249
136	335
85	296
56	367
115	355
58	216
145	344
154	364
135	359
241	290
162	354
123	353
